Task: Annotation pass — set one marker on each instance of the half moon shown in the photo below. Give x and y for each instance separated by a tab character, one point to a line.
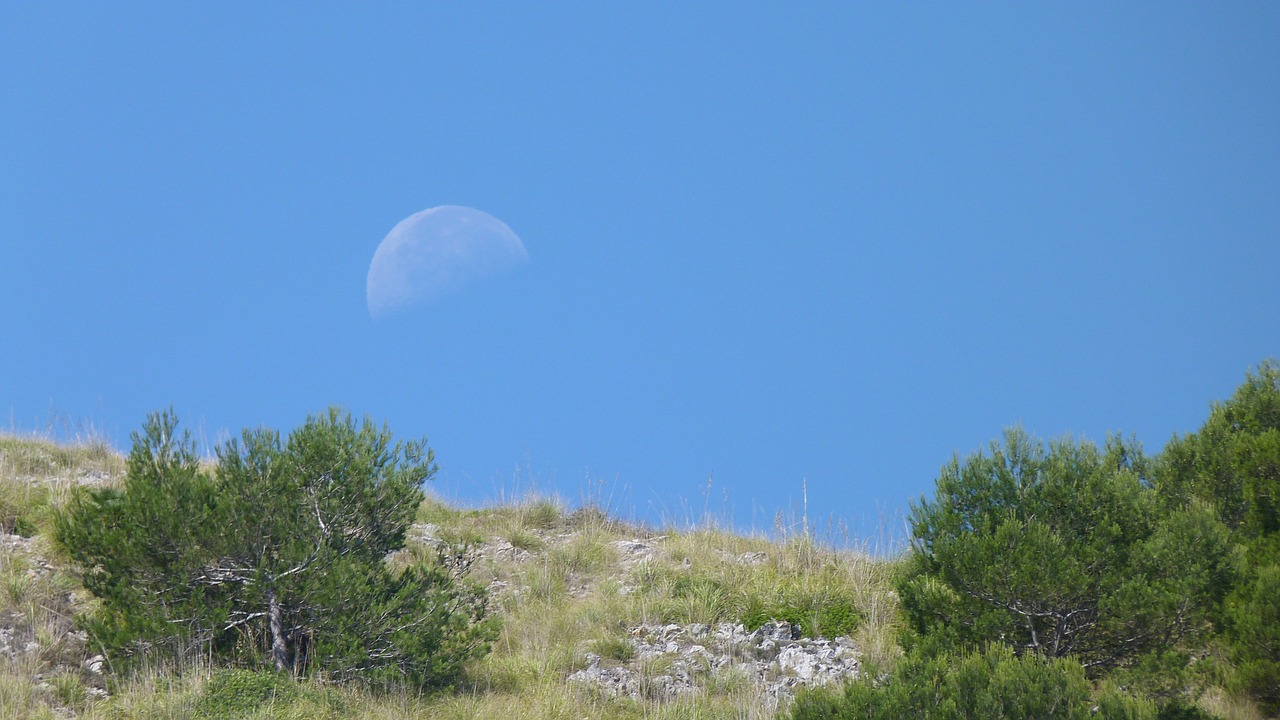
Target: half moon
435	252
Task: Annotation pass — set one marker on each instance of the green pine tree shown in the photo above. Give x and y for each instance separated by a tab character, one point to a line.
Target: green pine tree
1061	551
277	556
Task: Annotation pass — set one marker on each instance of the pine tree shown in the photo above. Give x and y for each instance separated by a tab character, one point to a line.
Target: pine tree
277	556
1061	551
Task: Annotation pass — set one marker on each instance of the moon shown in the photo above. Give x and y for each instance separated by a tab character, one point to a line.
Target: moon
436	252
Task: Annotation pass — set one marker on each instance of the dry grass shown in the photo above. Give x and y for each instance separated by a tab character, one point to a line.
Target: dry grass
40	673
568	592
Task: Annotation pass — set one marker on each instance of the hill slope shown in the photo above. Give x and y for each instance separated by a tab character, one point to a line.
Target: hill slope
601	619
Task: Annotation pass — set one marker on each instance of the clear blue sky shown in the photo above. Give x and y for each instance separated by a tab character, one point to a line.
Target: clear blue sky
783	245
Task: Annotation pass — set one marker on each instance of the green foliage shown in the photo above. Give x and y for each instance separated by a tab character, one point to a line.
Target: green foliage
816	615
1233	464
234	693
541	514
1060	551
991	685
614	648
1254	628
277	556
1233	461
1181	709
20	504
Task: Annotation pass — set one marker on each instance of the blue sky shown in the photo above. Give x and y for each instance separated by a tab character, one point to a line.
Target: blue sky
819	247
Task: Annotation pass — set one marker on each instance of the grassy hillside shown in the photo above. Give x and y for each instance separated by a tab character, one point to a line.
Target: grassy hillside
601	619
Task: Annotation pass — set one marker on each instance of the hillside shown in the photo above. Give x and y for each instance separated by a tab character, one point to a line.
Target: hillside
600	618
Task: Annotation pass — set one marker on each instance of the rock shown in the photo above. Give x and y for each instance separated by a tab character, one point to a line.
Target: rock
775	655
612	682
425	533
796	660
503	550
633	551
779	630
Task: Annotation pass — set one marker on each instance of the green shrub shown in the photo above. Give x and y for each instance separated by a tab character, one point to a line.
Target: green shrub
525	540
990	685
816	616
1254	631
614	648
541	515
276	557
1232	463
234	693
1181	709
21	504
1061	551
69	689
839	617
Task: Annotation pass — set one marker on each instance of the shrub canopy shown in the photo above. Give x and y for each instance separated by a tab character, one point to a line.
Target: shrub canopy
990	685
1233	464
1060	550
278	555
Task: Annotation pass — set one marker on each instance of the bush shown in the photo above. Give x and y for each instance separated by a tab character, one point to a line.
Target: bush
1233	464
1181	709
816	616
990	685
1061	551
20	504
233	693
276	558
1254	631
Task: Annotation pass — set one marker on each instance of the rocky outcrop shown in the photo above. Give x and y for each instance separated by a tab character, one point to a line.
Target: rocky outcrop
670	660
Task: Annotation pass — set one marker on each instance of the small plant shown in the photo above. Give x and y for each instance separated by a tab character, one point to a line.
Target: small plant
16	586
586	553
540	515
33	457
434	512
614	648
836	618
700	599
20	505
547	582
69	689
991	685
463	536
233	693
816	616
525	540
655	677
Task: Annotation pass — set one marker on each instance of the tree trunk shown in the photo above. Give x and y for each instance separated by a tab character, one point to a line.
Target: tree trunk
279	644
